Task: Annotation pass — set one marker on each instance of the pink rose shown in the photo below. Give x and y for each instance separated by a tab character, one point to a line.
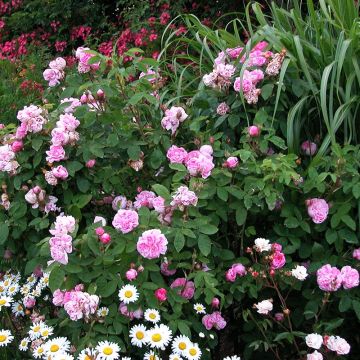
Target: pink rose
90	163
159	204
161	294
231	162
58	64
214	320
223	108
329	278
59	254
58	297
152	244
350	277
254	131
278	260
21	131
17	146
126	220
356	254
59	137
176	155
53	76
60	172
131	274
314	356
186	288
56	153
165	269
318	210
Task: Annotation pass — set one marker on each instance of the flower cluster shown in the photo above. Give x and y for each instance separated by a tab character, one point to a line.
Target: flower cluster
184	197
61	242
332	343
173	117
55	73
83	55
38	198
331	278
31	119
7	159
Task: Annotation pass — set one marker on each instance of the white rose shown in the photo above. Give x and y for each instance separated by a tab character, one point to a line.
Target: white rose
264	307
338	344
314	356
262	245
300	273
31	197
98	219
314	341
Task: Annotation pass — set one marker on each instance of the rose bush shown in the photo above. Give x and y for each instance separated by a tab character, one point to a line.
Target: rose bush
160	214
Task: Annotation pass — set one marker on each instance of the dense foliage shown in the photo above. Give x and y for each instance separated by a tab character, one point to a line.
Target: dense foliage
214	189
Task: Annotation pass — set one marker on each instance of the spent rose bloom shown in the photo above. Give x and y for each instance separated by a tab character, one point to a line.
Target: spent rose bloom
300	272
262	244
186	288
314	341
314	356
144	198
264	307
338	344
223	108
350	277
184	197
152	244
235	270
318	210
173	117
329	278
176	155
164	267
308	148
214	320
125	220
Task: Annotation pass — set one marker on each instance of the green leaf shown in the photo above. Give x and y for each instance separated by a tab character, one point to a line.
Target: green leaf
356	307
222	193
349	222
56	278
184	328
178	167
161	190
82	200
241	214
291	222
179	241
356	191
204	244
208	229
266	91
4	233
36	144
344	304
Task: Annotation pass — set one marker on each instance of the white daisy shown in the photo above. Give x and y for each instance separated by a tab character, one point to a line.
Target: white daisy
175	357
107	350
102	312
13	289
35	292
62	356
128	294
199	308
35	329
234	357
39	352
56	346
151	356
25	289
17	309
46	331
5	301
159	336
45	279
86	353
180	344
6	283
138	335
152	315
193	352
5	337
24	344
31	280
2	288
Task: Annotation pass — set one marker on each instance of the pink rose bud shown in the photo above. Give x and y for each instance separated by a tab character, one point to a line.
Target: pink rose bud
105	238
37	189
17	146
2	126
140	268
100	93
79	287
99	231
161	294
91	163
131	274
279	316
231	162
356	254
215	303
308	148
83	99
254	131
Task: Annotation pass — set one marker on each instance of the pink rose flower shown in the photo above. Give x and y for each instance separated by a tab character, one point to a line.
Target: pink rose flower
21	131
144	198
254	131
59	137
350	277
159	204
278	260
59	254
58	64
231	162
314	356
186	288
184	197
53	76
17	146
318	210
131	274
356	254
125	220
161	294
58	297
152	244
56	153
176	155
223	108
329	278
60	172
214	320
338	344
90	163
309	148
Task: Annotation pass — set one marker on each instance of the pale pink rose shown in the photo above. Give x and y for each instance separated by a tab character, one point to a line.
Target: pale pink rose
58	298
186	288
231	162
58	64
176	155
126	221
72	103
100	219
62	241
68	122
148	73
278	260
223	108
60	172
55	154
198	163
137	314
350	277
318	210
159	204
235	52
161	294
206	150
254	131
144	198
314	356
329	278
356	254
173	117
314	341
59	254
90	163
53	76
131	274
59	137
29	302
152	244
256	76
264	307
338	344
184	197
214	320
50	178
21	131
309	148
63	225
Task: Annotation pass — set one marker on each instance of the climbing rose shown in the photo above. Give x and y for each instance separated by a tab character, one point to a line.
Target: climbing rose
350	277
338	344
152	244
329	278
314	341
264	307
176	155
318	210
125	220
314	356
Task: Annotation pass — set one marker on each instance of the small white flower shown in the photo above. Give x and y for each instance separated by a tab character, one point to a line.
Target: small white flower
56	346
151	356
102	312
24	344
138	335
199	308
175	357
86	353
107	350
300	272
338	344
180	344
128	294
314	341
5	337
234	357
262	244
193	352
152	315
159	336
38	352
17	309
46	331
212	337
5	301
264	307
35	329
13	289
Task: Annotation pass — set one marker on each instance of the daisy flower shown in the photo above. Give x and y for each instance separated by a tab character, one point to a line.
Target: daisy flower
102	312
25	289
128	294
151	356
46	331
24	344
39	352
63	356
56	346
45	279
175	357
107	350
5	301
5	337
6	283
2	288
199	308
13	289
17	309
159	336
35	292
180	344
86	353
193	352
138	335
152	315
35	329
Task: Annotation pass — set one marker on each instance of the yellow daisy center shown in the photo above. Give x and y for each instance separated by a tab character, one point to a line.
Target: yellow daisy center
128	294
107	350
182	346
1	289
152	316
152	357
36	328
6	283
54	348
156	337
19	308
46	280
192	352
45	333
3	338
12	289
40	350
23	343
2	302
87	357
103	313
139	335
